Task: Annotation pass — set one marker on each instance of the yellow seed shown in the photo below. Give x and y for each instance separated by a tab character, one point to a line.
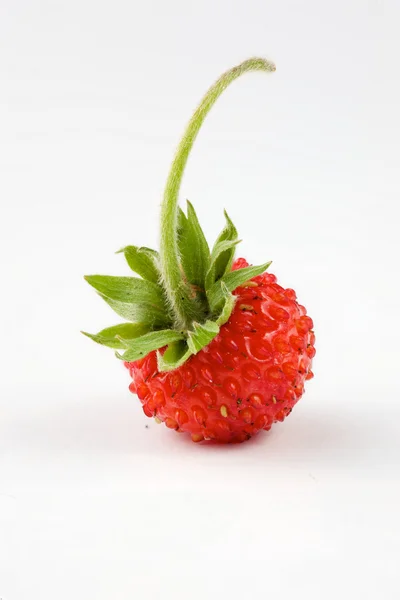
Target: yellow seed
246	307
224	411
250	284
274	399
157	420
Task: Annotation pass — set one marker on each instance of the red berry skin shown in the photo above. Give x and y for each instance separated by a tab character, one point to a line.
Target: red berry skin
249	377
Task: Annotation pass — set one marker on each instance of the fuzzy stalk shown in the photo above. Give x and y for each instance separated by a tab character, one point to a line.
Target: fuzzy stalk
181	297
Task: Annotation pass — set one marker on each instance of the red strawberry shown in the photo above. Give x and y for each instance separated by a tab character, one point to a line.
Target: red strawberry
215	348
250	375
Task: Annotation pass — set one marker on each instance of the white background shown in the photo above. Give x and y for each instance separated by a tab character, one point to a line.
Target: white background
96	501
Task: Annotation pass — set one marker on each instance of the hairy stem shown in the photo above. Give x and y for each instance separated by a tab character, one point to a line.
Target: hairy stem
178	291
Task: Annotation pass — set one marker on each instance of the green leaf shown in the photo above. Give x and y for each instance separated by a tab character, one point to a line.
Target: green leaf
132	299
220	249
224	260
175	356
126	331
142	261
143	345
202	335
232	280
228	306
193	248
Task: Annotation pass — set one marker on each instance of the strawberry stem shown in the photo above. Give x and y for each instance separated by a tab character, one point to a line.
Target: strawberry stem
182	298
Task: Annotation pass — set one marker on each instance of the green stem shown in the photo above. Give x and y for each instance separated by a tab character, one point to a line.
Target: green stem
178	291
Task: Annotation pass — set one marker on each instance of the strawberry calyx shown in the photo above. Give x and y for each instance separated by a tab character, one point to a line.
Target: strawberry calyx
184	293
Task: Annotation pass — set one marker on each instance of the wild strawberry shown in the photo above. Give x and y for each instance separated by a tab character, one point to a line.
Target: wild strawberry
215	348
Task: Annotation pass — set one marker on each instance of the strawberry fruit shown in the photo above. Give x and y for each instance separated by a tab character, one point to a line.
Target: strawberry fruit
215	347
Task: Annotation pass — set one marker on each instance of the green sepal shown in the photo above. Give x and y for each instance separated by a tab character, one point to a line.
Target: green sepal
202	335
137	313
148	342
232	280
124	331
142	261
175	356
127	289
180	351
193	248
220	250
228	306
224	261
132	298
